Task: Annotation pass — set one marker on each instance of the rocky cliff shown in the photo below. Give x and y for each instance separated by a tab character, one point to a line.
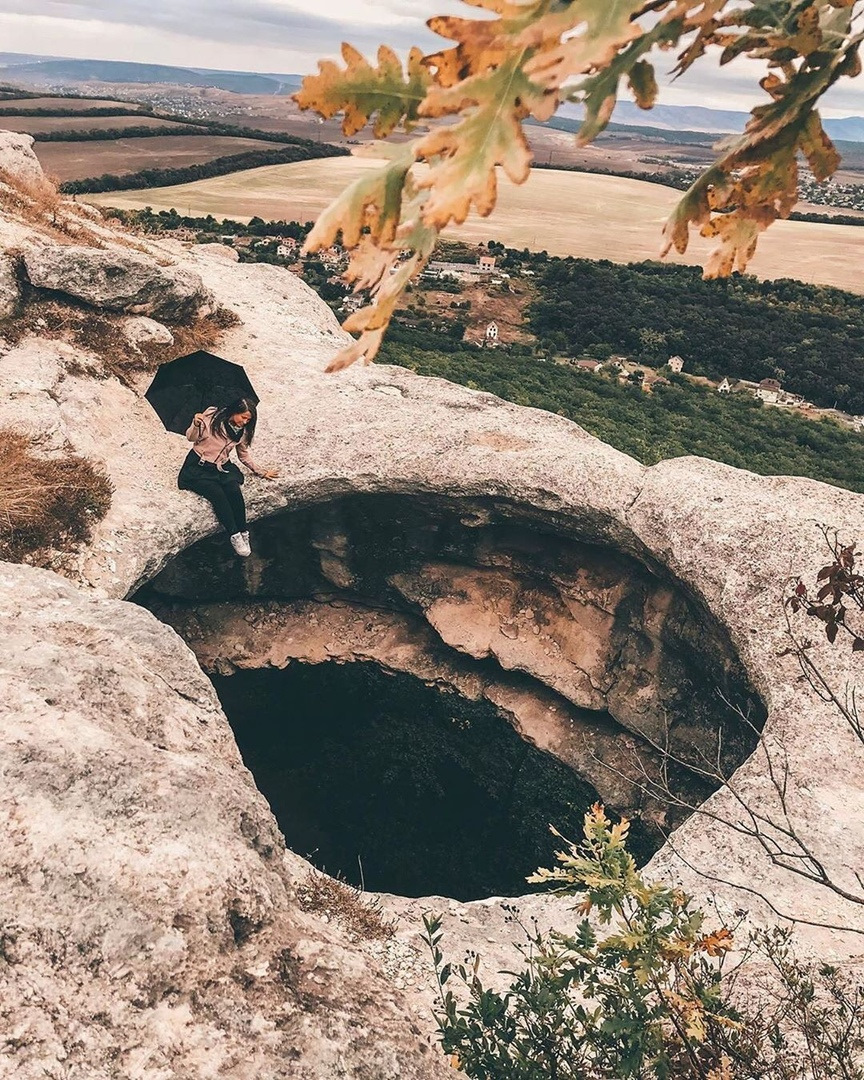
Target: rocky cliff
155	924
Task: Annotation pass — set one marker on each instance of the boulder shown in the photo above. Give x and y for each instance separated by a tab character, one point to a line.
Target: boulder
115	281
140	330
10	288
18	163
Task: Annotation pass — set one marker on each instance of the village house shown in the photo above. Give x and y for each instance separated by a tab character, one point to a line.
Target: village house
725	387
589	365
287	249
492	333
676	364
484	266
769	391
331	257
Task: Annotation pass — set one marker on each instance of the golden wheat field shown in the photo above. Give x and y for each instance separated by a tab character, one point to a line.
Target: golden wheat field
565	213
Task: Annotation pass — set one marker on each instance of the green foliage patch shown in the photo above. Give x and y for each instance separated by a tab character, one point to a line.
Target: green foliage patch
811	337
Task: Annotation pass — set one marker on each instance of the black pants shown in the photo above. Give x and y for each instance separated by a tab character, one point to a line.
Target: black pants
220	488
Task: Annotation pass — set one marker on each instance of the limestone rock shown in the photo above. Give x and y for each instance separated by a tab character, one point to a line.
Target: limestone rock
18	162
152	924
30	375
115	281
10	289
218	251
143	331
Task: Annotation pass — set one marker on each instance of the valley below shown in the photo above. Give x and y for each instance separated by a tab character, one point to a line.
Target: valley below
564	213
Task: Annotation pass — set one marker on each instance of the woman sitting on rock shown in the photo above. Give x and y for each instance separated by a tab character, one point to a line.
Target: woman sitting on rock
208	472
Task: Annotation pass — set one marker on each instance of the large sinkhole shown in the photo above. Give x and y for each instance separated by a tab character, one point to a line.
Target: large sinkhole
421	686
397	786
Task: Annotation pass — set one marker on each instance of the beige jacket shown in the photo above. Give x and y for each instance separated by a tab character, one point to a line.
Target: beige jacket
217	448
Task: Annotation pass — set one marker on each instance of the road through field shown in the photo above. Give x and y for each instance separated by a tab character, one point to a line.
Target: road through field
565	213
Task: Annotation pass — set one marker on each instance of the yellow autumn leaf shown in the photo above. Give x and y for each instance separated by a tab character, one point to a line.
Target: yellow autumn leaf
361	90
464	156
589	35
520	59
821	153
372	206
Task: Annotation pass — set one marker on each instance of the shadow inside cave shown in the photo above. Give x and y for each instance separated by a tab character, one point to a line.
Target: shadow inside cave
391	784
407	784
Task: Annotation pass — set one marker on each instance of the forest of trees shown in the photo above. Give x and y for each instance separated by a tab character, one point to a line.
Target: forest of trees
810	337
673	421
156	221
112	134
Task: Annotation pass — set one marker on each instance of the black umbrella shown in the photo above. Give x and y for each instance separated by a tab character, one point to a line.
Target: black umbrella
193	383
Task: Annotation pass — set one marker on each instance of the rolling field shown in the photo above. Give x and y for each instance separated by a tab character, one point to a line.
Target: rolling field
68	104
76	160
588	216
37	125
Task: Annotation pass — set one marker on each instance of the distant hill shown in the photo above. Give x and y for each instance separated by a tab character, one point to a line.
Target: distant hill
696	118
50	71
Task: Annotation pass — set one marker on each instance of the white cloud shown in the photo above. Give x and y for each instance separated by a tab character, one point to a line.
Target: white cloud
284	36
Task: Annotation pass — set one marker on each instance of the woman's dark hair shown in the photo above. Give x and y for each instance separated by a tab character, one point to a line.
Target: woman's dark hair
219	424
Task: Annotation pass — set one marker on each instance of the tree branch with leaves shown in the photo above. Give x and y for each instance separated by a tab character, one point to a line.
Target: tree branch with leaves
521	61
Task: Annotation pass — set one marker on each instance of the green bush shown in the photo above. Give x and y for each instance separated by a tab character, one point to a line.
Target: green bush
642	991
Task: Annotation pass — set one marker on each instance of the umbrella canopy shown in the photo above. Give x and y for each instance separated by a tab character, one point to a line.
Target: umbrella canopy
190	384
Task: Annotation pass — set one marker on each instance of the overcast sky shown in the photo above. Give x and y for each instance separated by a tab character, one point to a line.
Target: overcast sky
282	36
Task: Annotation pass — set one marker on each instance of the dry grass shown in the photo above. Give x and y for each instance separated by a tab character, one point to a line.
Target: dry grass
80	160
34	200
345	905
101	335
39	203
46	504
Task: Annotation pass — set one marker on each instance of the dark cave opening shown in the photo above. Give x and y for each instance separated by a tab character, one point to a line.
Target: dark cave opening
380	744
386	782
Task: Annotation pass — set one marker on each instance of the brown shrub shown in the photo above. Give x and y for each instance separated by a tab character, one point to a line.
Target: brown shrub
102	335
344	904
40	203
46	503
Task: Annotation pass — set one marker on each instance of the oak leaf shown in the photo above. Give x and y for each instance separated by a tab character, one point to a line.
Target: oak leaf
361	90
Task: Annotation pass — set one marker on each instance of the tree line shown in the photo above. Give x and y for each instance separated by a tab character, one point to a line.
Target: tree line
155	221
110	134
104	110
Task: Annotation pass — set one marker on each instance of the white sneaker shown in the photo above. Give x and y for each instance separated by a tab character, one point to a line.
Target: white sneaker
240	543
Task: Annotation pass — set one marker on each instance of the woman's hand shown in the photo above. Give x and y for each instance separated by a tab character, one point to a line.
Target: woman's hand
198	418
269	474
